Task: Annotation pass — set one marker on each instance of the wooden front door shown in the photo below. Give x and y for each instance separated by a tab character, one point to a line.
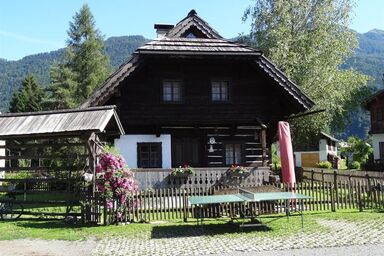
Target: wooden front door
186	151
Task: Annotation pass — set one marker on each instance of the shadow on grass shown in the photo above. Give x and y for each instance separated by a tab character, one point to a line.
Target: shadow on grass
50	224
174	231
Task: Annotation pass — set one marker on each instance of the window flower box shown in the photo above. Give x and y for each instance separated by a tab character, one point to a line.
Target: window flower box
182	171
237	171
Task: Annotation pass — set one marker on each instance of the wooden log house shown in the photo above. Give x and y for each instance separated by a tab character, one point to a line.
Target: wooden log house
192	97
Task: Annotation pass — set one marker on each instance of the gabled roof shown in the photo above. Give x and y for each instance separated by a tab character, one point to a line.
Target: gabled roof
190	22
54	122
327	136
196	46
212	44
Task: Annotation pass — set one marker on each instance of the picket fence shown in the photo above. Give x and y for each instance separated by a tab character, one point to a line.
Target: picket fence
172	203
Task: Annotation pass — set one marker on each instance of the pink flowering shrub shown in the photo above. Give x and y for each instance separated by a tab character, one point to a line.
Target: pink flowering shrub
115	180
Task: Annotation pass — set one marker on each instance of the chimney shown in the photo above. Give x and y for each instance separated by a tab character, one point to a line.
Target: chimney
162	29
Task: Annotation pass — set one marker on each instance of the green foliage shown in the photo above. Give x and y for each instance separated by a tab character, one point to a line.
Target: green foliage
29	97
276	162
309	41
324	164
85	65
358	149
343	164
19	175
354	165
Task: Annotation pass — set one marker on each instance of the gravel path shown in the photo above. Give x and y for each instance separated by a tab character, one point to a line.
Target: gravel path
341	234
354	250
343	238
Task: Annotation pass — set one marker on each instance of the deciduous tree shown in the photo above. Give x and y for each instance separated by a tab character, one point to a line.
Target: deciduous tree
309	40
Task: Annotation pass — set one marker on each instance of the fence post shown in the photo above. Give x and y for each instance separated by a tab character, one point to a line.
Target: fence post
333	208
312	177
185	206
335	177
322	176
105	212
359	196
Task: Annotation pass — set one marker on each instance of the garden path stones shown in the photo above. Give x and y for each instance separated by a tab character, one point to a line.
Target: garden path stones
339	233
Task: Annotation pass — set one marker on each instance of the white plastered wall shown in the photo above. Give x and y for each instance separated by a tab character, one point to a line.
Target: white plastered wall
376	138
323	150
127	145
2	161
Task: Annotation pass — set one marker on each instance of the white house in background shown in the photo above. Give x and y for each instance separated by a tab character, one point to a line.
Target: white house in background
327	148
2	161
375	105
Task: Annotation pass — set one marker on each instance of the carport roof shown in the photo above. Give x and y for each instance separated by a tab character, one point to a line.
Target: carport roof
93	119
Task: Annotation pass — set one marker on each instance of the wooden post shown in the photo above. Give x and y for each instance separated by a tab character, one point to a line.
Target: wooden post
322	176
185	206
264	146
333	208
359	196
336	199
312	178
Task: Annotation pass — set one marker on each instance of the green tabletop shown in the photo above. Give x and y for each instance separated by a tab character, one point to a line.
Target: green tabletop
234	198
269	196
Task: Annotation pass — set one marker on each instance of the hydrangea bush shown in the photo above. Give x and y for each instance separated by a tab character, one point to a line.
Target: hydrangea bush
115	181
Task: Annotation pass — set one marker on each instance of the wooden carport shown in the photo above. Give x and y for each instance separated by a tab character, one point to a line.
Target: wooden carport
44	156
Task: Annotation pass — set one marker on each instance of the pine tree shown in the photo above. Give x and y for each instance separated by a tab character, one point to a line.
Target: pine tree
29	97
84	67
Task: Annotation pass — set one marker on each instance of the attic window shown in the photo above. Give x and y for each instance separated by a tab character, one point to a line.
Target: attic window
191	35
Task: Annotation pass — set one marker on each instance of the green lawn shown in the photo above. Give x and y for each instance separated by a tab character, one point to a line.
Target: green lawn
45	229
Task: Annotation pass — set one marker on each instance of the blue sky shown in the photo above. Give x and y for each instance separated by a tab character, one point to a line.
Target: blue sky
34	26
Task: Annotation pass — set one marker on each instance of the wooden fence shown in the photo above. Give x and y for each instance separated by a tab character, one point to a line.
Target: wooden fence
333	175
172	203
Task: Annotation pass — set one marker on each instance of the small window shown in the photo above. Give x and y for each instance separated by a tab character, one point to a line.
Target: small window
191	35
149	155
171	91
220	91
233	154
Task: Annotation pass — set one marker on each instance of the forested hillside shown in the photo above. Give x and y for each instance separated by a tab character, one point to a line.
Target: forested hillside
369	59
13	72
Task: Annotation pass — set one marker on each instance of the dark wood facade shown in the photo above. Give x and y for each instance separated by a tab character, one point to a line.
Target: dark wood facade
375	105
204	131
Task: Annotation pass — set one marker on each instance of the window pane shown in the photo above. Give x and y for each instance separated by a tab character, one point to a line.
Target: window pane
176	92
220	91
171	91
224	91
237	154
229	154
167	91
